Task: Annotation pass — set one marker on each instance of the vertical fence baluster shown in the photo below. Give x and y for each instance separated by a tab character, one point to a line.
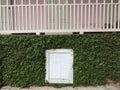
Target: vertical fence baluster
74	15
30	26
63	15
15	6
107	16
18	17
70	16
0	16
48	17
78	17
55	16
3	16
93	13
52	13
118	14
100	15
104	14
115	17
85	16
81	14
59	15
26	16
8	28
67	15
41	18
89	14
22	15
45	14
96	14
111	19
34	17
37	26
11	22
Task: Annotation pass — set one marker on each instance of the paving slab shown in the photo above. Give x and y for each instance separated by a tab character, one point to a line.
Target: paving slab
34	88
15	88
68	88
107	87
112	87
79	88
24	89
52	88
43	88
6	88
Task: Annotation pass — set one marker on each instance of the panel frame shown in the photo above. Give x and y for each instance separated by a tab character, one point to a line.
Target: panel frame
58	81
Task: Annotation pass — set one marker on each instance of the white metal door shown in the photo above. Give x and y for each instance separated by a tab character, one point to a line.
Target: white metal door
4	15
59	66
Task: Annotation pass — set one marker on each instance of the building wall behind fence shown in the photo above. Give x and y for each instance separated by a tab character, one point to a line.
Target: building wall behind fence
29	18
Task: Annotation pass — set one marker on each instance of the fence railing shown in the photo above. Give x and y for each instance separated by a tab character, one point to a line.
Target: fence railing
56	17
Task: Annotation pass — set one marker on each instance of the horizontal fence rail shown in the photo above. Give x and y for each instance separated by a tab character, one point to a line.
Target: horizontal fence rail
59	16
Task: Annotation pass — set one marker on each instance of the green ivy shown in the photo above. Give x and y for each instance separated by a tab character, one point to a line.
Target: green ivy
22	58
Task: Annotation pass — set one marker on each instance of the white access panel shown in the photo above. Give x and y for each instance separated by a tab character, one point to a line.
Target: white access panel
59	66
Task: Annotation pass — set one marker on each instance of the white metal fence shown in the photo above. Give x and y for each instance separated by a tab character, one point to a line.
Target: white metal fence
35	16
